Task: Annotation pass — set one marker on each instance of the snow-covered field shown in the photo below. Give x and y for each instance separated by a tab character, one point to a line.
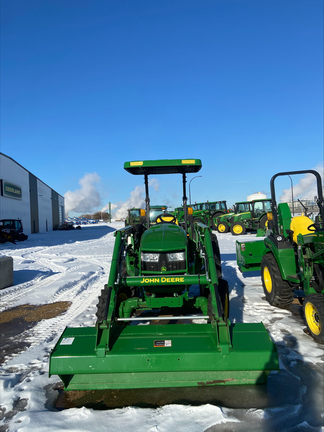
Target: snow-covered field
73	266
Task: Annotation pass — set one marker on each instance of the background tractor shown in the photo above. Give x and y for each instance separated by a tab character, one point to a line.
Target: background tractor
222	221
167	276
206	213
254	219
138	215
291	258
135	216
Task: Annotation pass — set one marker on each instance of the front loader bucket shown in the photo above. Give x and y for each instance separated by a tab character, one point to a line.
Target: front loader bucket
171	355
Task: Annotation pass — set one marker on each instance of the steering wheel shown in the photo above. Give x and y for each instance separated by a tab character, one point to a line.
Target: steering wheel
315	226
166	218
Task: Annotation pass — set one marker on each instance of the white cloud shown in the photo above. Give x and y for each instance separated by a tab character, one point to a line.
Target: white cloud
85	199
305	189
136	199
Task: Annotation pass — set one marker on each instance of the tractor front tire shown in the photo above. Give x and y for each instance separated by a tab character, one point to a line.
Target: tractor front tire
214	218
263	222
102	305
224	295
238	228
314	316
278	292
223	292
222	228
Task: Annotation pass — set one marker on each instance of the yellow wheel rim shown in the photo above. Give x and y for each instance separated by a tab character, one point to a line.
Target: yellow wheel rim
221	227
266	224
312	318
267	279
237	229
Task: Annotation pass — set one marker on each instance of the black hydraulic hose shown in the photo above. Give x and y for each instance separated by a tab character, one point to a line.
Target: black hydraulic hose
147	200
184	198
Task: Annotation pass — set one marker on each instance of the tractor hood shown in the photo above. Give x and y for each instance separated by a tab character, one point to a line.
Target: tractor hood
164	237
242	216
225	216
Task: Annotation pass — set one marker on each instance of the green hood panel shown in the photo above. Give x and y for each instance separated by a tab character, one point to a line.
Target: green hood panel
164	237
242	216
225	216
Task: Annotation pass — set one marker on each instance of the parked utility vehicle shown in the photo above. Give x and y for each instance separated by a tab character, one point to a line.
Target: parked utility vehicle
11	230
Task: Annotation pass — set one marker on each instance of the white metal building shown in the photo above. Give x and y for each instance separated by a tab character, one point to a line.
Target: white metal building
23	196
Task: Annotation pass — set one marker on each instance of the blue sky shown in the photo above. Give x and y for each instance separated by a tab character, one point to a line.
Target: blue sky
89	84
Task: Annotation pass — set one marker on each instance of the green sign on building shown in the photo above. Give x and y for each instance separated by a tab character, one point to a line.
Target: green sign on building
10	190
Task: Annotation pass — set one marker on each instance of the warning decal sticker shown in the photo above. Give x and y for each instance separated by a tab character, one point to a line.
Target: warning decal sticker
162	343
67	341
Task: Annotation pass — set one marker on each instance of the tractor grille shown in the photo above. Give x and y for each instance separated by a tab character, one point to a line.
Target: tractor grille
163	265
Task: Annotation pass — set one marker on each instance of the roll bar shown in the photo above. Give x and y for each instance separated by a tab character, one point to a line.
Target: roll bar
319	200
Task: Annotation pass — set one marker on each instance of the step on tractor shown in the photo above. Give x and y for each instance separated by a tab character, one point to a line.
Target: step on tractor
168	277
291	258
222	222
255	219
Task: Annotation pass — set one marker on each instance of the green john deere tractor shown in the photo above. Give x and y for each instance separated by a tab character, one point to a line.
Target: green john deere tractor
291	258
135	216
170	278
222	222
206	213
254	219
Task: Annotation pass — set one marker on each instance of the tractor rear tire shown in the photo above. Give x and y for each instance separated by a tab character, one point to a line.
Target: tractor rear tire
222	228
217	256
199	220
314	316
278	292
238	228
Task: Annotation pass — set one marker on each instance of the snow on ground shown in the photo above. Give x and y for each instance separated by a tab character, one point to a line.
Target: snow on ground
73	266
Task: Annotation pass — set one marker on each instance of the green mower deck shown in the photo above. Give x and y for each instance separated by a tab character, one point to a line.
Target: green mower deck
171	355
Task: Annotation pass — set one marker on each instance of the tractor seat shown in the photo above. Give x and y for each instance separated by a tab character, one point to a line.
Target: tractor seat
299	225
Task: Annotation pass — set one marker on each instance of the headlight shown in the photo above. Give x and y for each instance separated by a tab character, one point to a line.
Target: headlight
176	256
150	257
